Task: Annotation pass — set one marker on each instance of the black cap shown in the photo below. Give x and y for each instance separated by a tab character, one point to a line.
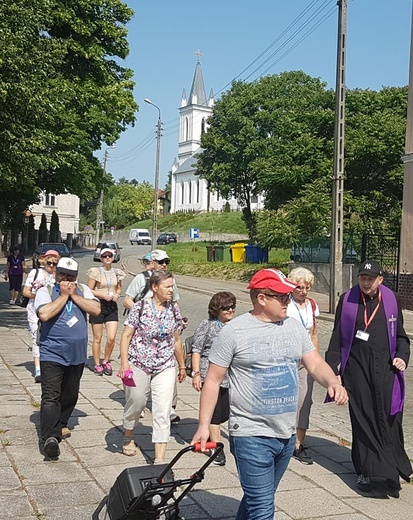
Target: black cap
371	268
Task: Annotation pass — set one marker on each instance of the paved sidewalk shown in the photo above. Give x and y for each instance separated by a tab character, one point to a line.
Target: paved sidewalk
91	458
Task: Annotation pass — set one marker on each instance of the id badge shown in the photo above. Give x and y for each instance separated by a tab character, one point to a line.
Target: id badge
73	320
363	335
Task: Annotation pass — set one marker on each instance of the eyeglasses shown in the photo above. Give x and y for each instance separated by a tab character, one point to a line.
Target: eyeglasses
283	298
106	256
165	261
228	308
51	263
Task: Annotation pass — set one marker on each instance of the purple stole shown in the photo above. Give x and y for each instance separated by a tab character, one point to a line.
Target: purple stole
348	331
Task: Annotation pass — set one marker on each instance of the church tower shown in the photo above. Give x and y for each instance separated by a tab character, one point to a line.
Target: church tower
193	115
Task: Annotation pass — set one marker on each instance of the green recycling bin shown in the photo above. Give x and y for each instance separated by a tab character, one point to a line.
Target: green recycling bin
219	253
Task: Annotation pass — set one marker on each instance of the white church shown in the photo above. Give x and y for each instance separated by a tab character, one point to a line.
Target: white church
189	191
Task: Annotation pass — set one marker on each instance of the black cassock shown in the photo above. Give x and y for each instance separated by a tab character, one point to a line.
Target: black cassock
378	444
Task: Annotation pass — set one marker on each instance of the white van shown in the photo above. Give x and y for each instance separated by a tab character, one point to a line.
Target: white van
140	237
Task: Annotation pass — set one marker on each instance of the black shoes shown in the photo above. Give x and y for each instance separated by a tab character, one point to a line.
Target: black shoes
220	460
302	455
363	484
51	448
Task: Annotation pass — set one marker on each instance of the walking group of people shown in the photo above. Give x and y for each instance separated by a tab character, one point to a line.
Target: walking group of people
256	370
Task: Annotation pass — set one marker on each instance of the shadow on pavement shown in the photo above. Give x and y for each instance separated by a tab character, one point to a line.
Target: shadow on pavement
13	317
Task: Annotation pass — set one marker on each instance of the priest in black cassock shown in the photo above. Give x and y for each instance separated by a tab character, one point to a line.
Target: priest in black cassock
371	349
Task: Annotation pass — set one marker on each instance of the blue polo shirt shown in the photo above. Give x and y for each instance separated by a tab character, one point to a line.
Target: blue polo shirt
59	342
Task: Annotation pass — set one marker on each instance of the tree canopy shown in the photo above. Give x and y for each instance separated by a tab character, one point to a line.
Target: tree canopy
63	93
276	136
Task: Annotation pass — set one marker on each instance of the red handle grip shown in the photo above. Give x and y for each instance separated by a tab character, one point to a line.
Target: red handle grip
208	446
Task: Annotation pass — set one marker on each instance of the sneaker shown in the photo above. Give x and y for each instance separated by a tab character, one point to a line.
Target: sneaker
66	433
220	460
51	448
37	376
174	417
98	370
12	302
363	484
302	455
107	368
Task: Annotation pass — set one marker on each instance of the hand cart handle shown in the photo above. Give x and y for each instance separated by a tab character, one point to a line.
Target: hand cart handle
208	446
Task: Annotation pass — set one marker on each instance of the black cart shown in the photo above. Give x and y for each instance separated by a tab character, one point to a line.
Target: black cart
148	492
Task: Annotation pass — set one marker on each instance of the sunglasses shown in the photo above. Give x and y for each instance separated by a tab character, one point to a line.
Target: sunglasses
165	261
228	308
51	263
106	256
283	298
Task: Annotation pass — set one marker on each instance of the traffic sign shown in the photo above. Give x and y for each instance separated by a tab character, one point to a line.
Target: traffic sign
193	233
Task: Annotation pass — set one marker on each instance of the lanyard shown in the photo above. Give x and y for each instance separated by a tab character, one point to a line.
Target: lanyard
69	306
299	312
367	323
220	324
108	283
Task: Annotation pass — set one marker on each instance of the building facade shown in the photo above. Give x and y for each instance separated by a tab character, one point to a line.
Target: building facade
67	207
188	191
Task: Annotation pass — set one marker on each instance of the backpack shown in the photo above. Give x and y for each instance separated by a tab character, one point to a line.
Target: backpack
313	308
140	296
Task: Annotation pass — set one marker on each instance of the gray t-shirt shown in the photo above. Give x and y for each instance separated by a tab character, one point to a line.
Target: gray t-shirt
262	360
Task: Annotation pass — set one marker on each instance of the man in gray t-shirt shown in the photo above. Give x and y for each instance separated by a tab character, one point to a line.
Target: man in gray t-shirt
262	351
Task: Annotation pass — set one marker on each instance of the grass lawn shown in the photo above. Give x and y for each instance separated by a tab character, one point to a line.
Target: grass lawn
187	258
214	222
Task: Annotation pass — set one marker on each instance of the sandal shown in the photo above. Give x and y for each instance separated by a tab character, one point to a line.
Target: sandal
129	446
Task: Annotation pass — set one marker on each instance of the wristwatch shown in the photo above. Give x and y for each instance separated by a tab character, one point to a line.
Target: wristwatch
193	373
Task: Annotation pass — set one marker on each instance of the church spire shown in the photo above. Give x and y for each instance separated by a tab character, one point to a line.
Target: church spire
197	96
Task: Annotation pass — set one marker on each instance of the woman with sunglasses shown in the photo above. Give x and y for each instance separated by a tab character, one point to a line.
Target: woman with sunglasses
305	310
150	349
221	310
40	277
106	284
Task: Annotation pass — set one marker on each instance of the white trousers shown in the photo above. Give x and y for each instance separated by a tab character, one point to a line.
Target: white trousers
162	388
33	326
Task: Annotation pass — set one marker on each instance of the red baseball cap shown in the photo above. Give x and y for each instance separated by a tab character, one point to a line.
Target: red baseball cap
272	279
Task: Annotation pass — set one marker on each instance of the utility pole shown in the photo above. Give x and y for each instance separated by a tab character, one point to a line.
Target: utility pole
158	156
336	257
99	207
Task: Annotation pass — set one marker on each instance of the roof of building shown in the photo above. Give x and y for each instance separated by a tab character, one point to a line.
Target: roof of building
197	96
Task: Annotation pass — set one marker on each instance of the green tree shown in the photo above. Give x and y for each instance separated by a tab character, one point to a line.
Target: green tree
43	232
62	93
127	202
54	227
271	136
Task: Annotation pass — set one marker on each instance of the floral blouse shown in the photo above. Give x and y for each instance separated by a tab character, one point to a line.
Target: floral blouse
204	336
152	348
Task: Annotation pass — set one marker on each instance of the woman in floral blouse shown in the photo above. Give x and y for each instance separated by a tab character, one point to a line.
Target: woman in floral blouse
150	347
221	309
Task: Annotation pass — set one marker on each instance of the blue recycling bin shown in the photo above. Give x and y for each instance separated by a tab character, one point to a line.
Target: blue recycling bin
255	254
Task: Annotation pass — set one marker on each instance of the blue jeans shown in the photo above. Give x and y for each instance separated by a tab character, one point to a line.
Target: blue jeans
261	463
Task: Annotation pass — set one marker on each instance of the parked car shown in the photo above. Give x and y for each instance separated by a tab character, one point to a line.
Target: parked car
111	245
167	238
41	249
140	237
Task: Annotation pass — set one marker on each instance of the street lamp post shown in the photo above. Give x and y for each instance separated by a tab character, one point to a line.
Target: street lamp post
99	208
158	155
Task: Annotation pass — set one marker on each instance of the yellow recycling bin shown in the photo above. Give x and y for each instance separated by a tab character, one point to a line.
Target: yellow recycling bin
238	252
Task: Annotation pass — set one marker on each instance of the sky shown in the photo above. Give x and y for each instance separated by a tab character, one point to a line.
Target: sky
236	39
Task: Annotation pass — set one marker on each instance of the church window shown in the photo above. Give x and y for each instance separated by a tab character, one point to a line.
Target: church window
186	129
190	192
182	192
197	190
203	126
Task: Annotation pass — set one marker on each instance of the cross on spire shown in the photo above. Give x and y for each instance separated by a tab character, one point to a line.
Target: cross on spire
198	53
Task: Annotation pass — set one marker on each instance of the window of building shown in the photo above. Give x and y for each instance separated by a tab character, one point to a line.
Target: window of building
186	129
49	199
197	191
203	126
190	192
182	192
254	199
